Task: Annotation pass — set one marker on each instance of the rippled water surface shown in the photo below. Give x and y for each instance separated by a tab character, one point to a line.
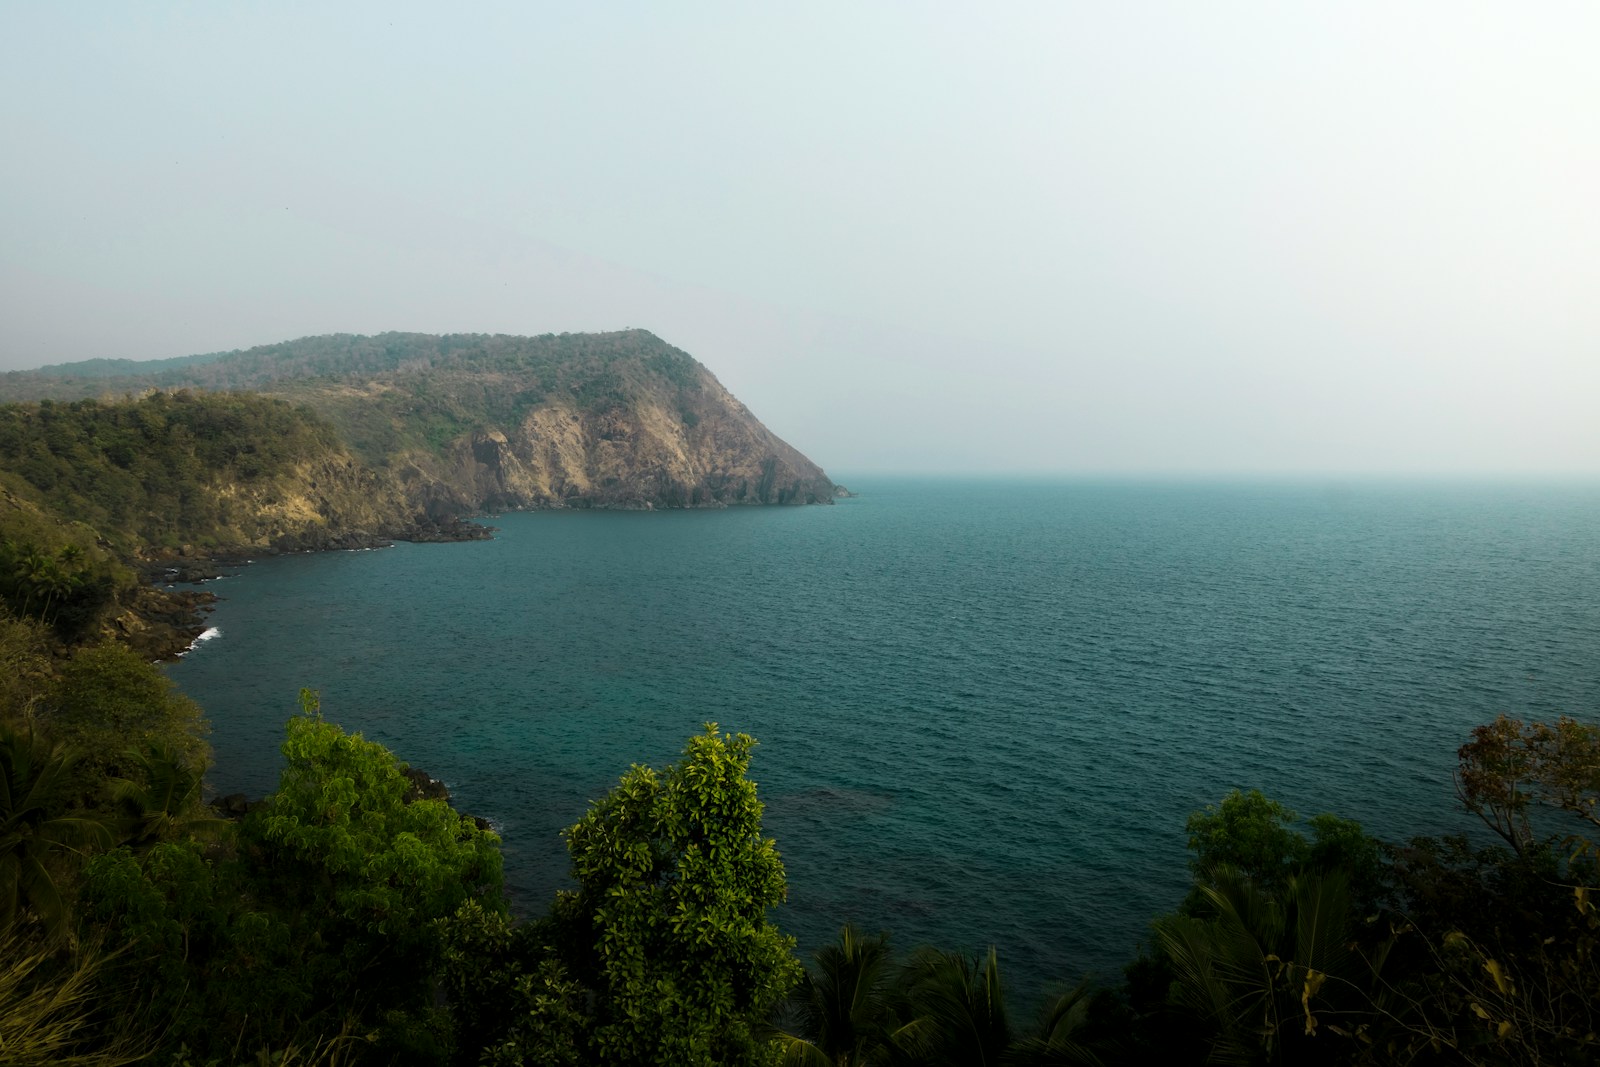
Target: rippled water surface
985	708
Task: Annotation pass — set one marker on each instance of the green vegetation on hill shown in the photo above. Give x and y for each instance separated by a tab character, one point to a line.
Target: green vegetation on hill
57	573
163	470
341	442
90	489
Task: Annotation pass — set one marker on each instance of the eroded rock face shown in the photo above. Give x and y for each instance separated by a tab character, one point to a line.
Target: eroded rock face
160	623
661	445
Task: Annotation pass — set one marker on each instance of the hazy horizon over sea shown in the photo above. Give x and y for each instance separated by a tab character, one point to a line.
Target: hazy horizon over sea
985	707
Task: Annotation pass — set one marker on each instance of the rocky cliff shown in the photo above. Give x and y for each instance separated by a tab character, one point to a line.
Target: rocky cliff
699	448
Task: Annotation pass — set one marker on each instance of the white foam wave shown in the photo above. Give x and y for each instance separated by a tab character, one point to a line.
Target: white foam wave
206	635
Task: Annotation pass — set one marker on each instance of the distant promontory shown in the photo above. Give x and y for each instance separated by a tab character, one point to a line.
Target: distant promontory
345	441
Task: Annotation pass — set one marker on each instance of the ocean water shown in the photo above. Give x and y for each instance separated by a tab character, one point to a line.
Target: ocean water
985	708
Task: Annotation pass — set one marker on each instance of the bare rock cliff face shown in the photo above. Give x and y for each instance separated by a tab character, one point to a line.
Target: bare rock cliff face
698	448
330	502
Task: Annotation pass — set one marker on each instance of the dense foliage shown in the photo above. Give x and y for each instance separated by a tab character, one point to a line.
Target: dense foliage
669	921
58	573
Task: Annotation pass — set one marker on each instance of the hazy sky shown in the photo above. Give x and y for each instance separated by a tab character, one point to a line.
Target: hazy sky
1142	237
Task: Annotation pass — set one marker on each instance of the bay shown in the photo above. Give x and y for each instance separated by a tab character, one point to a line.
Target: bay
985	707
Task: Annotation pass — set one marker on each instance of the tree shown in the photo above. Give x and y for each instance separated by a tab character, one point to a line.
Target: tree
511	1002
959	1010
108	701
1510	958
1271	975
842	1011
1250	833
325	927
1253	835
163	800
367	873
1066	1035
341	821
35	829
1508	766
668	927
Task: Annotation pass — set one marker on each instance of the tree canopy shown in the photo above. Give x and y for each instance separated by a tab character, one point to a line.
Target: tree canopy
670	917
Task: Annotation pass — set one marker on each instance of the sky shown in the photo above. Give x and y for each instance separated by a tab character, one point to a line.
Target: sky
1121	239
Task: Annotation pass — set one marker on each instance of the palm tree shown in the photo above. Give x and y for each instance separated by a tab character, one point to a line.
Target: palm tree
1061	1039
959	1010
163	802
33	832
1266	971
841	1010
57	585
28	566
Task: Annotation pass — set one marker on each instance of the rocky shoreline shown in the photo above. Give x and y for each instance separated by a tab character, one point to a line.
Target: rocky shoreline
163	622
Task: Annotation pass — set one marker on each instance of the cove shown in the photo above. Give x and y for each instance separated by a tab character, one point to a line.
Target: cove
985	708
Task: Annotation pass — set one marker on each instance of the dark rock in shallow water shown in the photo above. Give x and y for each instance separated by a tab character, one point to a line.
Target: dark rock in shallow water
449	530
321	540
425	786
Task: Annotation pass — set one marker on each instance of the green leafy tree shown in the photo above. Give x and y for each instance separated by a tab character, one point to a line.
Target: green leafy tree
1250	833
668	927
1253	835
320	930
341	820
511	1001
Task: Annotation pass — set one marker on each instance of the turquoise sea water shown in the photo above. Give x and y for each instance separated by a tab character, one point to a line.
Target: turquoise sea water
985	708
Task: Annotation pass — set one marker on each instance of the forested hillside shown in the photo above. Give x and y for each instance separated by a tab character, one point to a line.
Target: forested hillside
94	496
215	471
